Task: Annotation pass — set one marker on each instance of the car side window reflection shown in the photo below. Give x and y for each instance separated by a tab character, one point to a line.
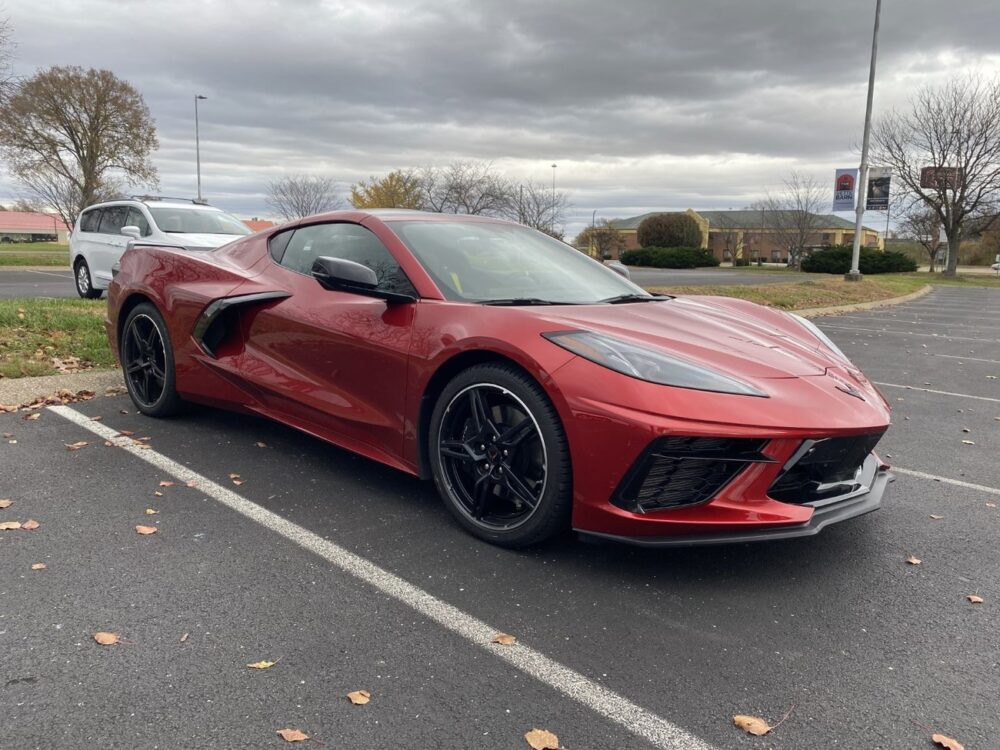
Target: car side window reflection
345	241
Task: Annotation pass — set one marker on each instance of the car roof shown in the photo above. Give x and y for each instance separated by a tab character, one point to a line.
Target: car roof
155	203
400	214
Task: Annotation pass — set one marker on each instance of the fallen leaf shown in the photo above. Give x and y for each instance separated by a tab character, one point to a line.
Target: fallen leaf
32	417
151	511
968	442
237	482
359	697
7	435
39	566
5	503
166	483
76	446
752	725
504	640
947	742
293	735
96	419
123	411
262	664
936	518
184	637
30	525
260	444
146	530
108	444
541	739
12	442
913	560
191	484
991	505
125	433
157	493
975	599
10	525
107	639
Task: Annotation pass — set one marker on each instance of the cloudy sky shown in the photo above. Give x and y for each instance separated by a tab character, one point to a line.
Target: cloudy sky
642	104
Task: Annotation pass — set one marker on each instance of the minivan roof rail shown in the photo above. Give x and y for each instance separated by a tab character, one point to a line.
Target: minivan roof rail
145	198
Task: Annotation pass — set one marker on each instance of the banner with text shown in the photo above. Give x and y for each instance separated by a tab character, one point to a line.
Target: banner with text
843	189
878	189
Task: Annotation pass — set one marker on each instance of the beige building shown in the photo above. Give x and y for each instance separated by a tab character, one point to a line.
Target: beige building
750	234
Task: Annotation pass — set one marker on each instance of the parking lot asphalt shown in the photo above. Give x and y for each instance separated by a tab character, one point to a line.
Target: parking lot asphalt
16	283
866	649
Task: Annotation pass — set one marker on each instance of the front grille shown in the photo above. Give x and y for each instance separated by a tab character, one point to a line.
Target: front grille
679	471
824	469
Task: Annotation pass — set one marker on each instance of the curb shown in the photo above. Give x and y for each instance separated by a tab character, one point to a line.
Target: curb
814	312
61	267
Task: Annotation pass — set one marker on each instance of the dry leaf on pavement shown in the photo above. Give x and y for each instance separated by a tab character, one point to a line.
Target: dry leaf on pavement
32	417
10	525
359	697
260	444
947	742
125	433
975	599
191	484
151	511
5	503
39	566
30	525
913	560
237	482
76	446
234	476
184	637
146	530
158	493
991	505
293	735
541	739
936	518
107	639
262	664
752	725
166	483
504	639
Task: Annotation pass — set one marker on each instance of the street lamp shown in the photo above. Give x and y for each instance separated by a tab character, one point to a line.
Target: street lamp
197	141
552	226
859	216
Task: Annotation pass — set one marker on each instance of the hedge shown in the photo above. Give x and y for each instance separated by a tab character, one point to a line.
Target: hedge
669	230
670	257
837	259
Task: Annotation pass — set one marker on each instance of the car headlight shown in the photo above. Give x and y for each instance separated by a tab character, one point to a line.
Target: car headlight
824	339
637	361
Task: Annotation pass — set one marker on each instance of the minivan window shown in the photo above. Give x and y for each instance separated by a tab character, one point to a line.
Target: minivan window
113	219
91	220
137	219
180	220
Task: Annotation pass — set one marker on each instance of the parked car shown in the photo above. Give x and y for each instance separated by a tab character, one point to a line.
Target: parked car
539	389
995	267
103	231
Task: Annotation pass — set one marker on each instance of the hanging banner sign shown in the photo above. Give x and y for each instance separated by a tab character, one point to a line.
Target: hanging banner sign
843	189
878	189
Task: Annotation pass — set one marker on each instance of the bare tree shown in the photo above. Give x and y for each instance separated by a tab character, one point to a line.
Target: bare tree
602	240
956	126
296	196
70	136
7	79
732	238
536	206
791	216
466	187
924	226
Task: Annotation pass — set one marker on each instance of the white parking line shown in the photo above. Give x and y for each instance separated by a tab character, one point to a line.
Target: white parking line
66	275
946	480
941	336
943	393
971	359
607	703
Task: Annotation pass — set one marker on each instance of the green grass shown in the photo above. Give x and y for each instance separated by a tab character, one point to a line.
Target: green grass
34	247
34	331
34	259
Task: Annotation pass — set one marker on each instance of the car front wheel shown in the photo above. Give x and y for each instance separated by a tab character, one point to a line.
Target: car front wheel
148	362
84	282
499	456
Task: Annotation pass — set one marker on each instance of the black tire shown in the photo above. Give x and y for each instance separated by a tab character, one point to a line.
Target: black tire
488	419
84	282
147	359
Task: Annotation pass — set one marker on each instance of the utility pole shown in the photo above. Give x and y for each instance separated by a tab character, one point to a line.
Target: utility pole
855	273
552	224
197	142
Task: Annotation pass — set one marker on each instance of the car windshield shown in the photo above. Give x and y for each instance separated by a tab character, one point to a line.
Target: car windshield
182	220
508	264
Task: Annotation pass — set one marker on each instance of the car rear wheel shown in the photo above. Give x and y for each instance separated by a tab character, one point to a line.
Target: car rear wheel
148	362
499	456
84	282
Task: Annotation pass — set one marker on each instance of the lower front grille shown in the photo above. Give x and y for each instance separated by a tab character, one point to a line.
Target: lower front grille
679	471
824	469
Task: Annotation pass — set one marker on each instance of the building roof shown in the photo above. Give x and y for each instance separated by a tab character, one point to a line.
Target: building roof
257	225
29	221
743	219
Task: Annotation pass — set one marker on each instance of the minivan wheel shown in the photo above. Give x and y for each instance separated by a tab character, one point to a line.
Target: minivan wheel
84	284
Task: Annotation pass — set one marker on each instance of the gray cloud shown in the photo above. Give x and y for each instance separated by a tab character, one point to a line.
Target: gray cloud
644	104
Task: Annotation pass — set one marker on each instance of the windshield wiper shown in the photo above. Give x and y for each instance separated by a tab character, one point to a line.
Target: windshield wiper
624	298
526	301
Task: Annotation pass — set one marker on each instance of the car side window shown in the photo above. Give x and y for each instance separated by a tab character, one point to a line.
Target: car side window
277	244
348	242
137	219
113	219
91	220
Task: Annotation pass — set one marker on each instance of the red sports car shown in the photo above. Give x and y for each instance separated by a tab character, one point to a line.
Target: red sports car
539	389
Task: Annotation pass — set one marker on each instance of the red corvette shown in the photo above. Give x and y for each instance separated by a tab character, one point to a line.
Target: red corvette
539	389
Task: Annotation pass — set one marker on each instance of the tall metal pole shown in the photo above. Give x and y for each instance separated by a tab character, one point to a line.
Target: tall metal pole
197	141
855	273
552	225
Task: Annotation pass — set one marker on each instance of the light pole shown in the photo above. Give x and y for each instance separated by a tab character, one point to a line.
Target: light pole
197	141
552	224
859	216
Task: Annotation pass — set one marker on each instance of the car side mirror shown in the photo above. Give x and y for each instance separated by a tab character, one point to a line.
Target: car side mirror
338	274
131	231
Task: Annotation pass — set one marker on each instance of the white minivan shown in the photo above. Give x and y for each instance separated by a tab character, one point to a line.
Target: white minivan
103	231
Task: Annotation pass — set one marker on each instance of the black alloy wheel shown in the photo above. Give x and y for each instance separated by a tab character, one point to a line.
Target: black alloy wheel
148	363
84	282
500	457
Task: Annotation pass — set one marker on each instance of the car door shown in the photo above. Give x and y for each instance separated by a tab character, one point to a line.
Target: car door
84	239
108	244
332	359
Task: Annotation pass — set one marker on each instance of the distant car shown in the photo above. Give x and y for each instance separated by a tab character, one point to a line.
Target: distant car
538	388
103	231
995	267
618	267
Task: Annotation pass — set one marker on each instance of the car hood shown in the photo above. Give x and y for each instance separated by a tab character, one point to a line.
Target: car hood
732	336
